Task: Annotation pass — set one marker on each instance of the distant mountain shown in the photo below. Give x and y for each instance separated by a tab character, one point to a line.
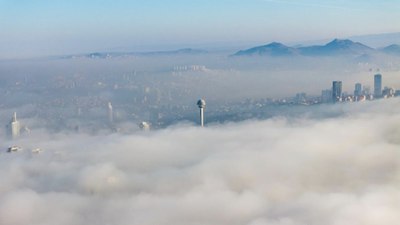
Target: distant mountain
371	40
391	49
335	47
378	40
272	49
183	51
364	58
104	55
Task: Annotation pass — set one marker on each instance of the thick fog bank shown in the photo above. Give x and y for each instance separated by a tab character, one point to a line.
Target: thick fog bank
342	170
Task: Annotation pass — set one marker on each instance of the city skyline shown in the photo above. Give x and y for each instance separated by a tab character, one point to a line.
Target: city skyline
57	27
336	94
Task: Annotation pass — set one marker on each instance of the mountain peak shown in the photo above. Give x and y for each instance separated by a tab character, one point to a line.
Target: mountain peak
392	49
338	47
341	42
346	43
276	44
271	49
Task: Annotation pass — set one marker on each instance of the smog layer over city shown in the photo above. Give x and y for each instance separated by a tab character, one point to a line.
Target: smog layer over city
259	112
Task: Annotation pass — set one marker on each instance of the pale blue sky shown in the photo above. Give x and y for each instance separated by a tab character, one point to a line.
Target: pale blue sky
43	27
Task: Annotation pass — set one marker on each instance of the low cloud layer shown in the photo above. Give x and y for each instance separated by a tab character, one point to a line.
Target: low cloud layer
343	170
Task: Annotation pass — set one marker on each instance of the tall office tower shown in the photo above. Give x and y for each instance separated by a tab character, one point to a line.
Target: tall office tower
378	85
336	91
201	104
110	113
15	126
326	96
358	90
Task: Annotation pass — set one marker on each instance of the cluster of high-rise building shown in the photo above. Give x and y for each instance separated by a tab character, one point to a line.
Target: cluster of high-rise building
360	93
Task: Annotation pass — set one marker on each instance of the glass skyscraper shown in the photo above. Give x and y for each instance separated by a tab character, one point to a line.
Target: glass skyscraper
378	85
336	91
358	89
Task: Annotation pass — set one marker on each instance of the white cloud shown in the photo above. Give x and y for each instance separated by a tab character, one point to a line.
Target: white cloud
342	170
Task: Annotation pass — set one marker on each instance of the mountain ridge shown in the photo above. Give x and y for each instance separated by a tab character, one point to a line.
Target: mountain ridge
393	49
104	55
335	47
274	49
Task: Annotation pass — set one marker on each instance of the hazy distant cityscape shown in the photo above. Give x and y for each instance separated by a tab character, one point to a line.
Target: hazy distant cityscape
164	94
91	113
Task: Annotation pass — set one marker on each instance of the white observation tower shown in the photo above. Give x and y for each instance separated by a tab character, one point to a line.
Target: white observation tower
201	104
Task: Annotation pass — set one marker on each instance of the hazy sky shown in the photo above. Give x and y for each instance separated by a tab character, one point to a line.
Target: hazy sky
43	27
